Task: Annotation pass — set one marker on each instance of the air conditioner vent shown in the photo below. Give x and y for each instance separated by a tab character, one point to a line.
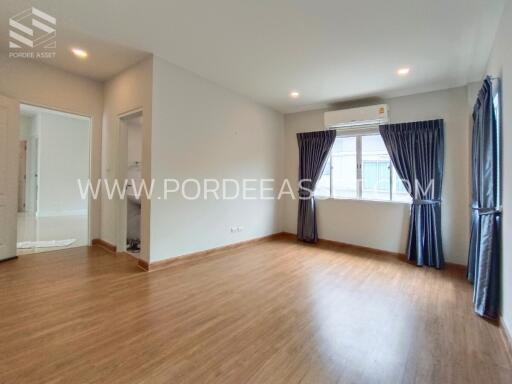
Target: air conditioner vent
371	115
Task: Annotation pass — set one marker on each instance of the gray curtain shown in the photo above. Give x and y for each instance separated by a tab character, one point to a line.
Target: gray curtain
417	152
484	249
314	148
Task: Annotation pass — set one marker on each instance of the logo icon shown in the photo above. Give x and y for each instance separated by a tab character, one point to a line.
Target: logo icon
32	28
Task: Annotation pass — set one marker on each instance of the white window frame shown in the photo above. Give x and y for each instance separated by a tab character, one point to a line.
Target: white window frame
358	132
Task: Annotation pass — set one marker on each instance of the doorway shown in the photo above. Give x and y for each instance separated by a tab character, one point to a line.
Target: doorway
130	168
54	162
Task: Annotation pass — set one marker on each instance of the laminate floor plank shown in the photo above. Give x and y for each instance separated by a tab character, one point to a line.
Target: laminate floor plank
272	312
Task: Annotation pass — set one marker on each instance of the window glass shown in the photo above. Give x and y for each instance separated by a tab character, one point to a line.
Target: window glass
379	180
323	186
344	168
376	172
400	190
497	111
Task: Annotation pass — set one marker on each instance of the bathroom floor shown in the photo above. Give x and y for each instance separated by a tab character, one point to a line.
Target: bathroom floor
32	228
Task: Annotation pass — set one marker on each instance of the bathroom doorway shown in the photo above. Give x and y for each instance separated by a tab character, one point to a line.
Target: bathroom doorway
130	170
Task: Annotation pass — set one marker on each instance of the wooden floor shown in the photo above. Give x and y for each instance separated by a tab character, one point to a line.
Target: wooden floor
274	312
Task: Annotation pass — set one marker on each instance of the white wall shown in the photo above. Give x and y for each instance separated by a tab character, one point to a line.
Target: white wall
42	85
63	157
500	64
128	91
384	225
201	130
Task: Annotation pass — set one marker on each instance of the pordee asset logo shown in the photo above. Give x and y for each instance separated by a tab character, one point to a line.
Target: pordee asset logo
32	35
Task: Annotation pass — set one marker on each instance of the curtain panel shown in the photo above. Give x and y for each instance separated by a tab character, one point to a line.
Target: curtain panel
484	249
314	149
417	152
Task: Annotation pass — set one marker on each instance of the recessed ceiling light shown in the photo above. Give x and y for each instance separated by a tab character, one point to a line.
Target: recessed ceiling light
79	53
294	94
403	71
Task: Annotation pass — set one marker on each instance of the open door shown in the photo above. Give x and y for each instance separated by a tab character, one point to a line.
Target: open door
129	167
9	146
22	175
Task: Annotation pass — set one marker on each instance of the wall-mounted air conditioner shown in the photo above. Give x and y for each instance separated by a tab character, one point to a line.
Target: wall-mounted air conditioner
371	115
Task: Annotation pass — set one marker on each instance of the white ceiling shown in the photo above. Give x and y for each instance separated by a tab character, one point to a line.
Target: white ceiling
329	50
106	59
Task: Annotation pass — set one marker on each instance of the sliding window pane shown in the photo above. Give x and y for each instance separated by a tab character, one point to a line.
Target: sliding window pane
400	190
323	186
376	168
344	167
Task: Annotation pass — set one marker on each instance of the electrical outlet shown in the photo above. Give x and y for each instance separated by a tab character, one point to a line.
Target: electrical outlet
234	229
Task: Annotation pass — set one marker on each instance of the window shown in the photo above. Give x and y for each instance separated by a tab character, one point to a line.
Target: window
344	168
359	167
376	168
497	110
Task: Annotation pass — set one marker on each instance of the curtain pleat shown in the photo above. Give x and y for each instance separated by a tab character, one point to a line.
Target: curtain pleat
314	148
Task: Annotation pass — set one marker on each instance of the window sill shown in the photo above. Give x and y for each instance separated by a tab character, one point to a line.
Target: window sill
319	198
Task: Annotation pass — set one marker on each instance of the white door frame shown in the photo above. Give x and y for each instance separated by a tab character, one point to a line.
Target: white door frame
121	174
9	144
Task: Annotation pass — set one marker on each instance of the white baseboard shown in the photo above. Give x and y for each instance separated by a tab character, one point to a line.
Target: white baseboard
76	212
